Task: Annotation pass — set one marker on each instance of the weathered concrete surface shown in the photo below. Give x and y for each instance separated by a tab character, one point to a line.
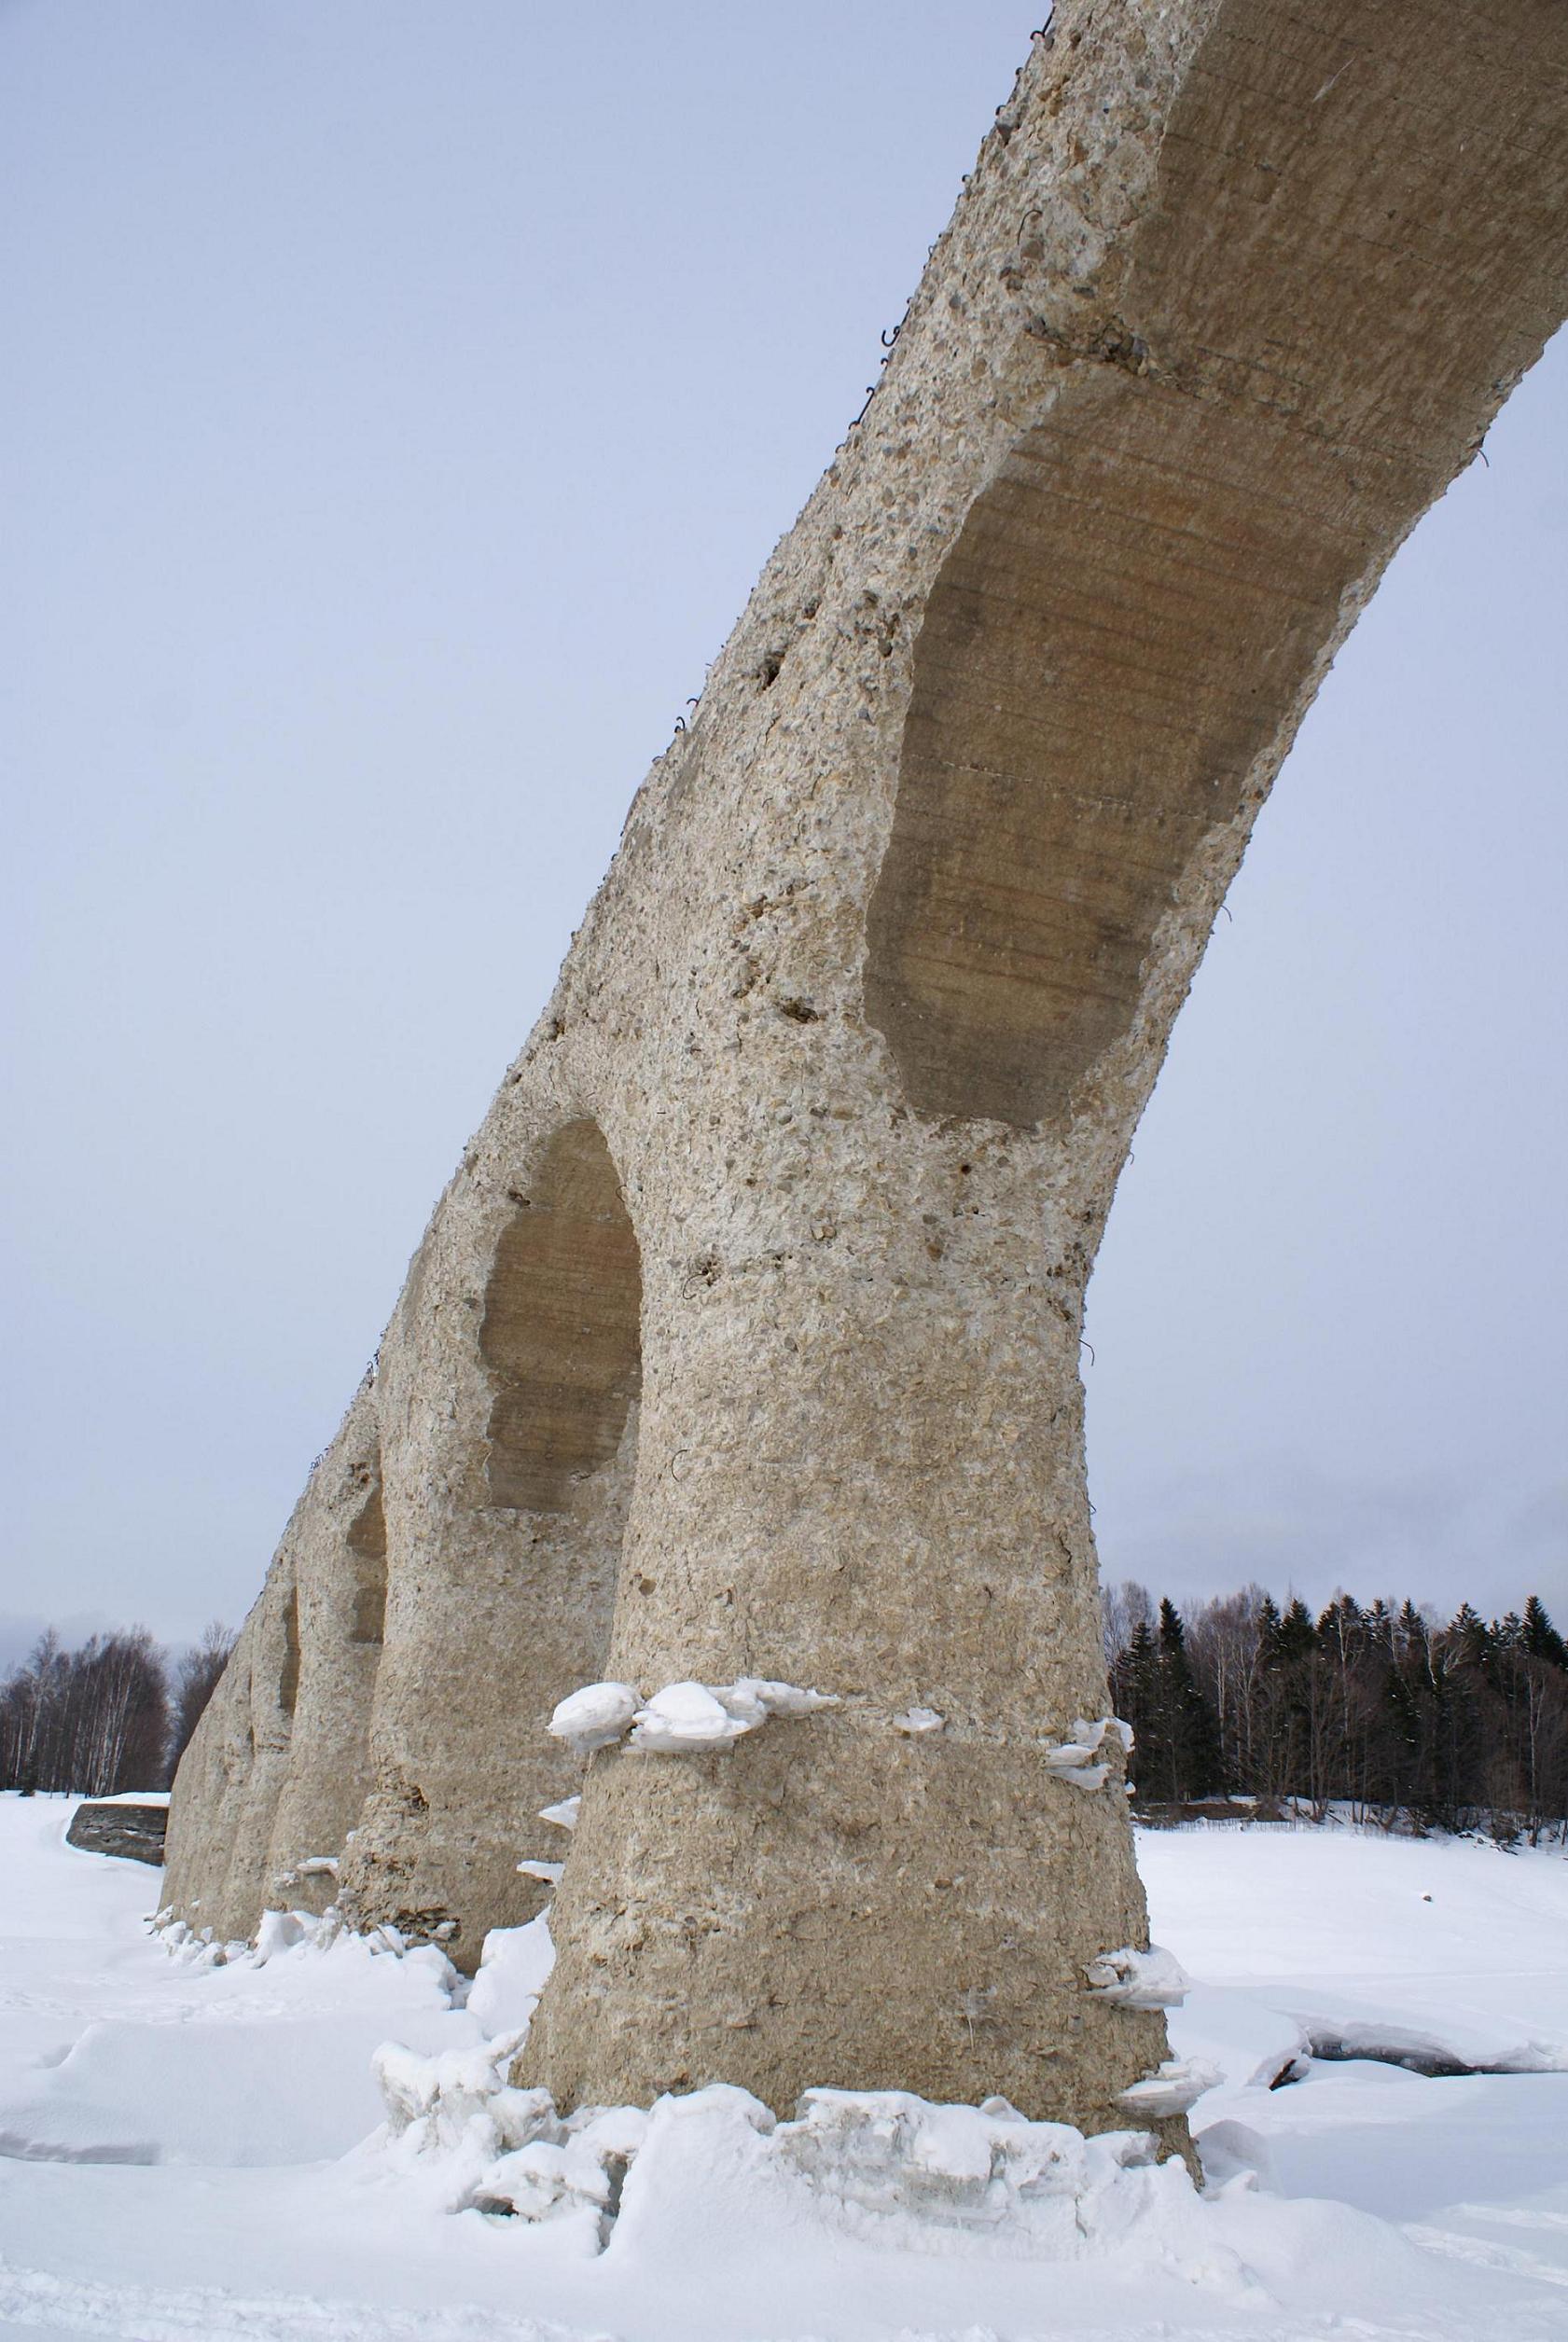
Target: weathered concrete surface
111	1825
831	1098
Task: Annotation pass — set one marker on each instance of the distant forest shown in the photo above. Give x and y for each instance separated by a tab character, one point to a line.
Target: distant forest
114	1715
1383	1711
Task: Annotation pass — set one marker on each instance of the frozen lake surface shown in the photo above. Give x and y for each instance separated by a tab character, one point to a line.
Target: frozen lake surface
198	2150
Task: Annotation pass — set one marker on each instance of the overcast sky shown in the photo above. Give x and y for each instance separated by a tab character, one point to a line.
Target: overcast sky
400	401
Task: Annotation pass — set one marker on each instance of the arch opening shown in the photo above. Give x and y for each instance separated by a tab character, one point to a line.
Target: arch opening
1131	608
561	1333
288	1674
366	1544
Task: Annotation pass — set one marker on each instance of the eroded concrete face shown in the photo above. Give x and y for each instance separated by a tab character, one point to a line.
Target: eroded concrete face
745	1340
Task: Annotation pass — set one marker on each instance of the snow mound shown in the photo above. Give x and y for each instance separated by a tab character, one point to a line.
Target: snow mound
483	2145
890	2167
884	2167
513	1967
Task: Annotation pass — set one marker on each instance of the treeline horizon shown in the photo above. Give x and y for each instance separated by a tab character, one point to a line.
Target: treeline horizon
1384	1710
115	1714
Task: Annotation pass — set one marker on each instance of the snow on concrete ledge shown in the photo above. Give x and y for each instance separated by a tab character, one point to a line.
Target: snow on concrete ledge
1171	2088
683	1719
1152	1979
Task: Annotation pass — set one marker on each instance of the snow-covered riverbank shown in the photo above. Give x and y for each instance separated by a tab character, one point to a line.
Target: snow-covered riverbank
194	2151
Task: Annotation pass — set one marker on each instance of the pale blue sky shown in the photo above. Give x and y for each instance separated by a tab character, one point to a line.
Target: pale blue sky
401	400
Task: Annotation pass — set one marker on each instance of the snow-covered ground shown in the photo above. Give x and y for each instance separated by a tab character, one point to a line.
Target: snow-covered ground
198	2150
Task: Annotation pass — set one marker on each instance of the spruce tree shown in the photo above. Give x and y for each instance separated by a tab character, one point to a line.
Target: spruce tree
1540	1638
1192	1736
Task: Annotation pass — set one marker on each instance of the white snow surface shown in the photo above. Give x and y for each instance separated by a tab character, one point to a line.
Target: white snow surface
193	2142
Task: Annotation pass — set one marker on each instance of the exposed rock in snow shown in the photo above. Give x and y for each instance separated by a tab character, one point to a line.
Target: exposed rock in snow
1152	1979
131	1828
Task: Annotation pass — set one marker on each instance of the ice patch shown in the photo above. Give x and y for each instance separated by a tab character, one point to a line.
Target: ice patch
1171	2088
594	1716
683	1719
1073	1759
1152	1979
915	1722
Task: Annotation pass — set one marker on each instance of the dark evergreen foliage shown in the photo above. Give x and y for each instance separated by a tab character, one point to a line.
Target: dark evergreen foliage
1379	1709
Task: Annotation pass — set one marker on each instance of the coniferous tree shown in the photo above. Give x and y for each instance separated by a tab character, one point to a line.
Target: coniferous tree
1541	1638
1380	1708
1192	1757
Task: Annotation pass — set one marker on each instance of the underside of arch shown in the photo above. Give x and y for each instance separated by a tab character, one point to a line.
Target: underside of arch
1130	609
561	1330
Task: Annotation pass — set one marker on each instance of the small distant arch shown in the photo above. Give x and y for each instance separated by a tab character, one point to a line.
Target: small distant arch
288	1674
366	1544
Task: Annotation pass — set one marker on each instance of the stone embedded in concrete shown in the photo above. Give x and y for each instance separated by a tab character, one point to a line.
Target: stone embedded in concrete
744	1342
